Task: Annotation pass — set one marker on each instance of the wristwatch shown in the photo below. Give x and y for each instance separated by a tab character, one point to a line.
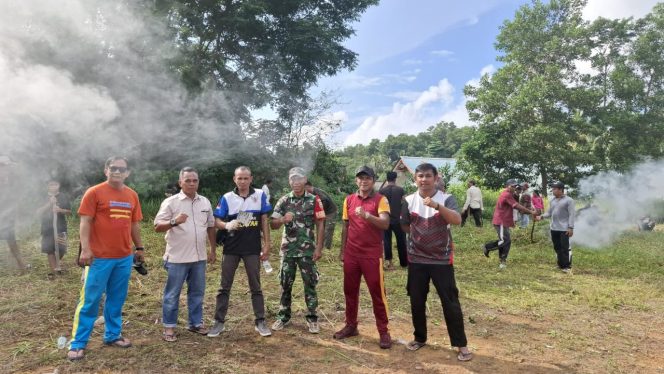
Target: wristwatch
173	222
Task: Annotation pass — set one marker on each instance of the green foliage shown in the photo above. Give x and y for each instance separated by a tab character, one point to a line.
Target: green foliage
539	116
271	52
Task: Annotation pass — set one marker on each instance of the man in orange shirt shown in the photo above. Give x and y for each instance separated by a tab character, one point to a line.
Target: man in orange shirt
110	215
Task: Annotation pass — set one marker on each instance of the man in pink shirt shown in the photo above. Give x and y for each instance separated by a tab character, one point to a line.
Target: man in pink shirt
503	219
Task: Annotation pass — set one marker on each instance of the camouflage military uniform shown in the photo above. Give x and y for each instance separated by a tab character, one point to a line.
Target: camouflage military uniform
297	249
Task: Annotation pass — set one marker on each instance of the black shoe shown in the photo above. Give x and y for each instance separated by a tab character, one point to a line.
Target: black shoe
486	251
140	268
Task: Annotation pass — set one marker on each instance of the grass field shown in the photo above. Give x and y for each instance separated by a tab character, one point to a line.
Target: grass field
606	317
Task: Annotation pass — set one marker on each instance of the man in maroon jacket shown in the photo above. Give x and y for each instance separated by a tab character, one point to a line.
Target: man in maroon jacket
503	219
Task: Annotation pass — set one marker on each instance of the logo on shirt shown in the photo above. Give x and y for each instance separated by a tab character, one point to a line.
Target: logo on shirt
120	209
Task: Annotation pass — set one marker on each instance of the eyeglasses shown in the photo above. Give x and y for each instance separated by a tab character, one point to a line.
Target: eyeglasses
120	169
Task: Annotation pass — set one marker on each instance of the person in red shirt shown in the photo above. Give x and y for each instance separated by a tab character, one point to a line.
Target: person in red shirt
366	214
503	219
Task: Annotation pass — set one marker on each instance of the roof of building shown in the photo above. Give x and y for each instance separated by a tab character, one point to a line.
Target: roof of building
412	162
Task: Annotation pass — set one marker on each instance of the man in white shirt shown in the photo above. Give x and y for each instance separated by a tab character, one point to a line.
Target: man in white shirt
187	220
266	188
473	204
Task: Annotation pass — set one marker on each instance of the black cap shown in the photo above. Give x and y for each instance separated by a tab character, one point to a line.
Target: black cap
365	170
557	184
511	182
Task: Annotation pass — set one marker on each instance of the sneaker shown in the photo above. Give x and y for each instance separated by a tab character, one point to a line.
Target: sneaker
346	332
217	329
567	270
486	251
279	325
385	341
502	265
262	328
314	327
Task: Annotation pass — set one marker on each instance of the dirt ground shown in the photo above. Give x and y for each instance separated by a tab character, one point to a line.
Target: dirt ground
605	318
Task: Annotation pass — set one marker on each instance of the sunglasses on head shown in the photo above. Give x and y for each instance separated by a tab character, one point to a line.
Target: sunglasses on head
120	169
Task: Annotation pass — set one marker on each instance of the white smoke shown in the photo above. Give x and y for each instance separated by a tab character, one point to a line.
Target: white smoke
86	79
618	202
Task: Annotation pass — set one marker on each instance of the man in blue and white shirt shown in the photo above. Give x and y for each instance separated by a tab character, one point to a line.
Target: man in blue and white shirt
243	213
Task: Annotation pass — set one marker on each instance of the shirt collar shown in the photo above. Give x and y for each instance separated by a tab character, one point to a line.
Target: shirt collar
371	193
182	196
251	191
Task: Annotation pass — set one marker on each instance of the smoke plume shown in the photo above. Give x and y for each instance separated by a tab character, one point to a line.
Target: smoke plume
618	201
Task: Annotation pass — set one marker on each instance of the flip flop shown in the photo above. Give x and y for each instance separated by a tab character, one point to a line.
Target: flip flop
415	345
119	342
76	354
169	337
199	330
465	356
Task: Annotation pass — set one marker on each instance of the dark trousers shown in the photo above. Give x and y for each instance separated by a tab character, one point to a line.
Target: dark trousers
477	215
563	249
252	265
442	277
503	243
401	243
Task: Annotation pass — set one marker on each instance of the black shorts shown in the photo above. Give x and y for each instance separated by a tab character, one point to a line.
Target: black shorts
48	244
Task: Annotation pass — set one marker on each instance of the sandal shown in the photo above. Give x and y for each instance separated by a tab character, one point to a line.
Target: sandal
169	337
465	356
415	345
199	330
76	354
119	342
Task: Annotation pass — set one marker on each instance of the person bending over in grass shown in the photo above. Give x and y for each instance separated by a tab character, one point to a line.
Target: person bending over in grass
503	219
427	215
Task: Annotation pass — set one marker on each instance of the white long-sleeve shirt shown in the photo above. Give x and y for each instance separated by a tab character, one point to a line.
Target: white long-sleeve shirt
473	198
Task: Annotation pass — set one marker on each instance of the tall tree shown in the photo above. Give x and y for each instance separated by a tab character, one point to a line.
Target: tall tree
270	51
529	124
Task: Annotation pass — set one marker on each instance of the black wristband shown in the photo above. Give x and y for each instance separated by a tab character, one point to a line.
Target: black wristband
139	249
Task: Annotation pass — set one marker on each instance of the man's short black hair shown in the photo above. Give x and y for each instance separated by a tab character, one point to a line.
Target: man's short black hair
268	181
421	168
391	176
307	183
471	182
115	158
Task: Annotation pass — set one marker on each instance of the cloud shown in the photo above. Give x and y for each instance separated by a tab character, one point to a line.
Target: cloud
617	8
411	61
406	95
488	69
412	117
442	53
357	81
423	109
